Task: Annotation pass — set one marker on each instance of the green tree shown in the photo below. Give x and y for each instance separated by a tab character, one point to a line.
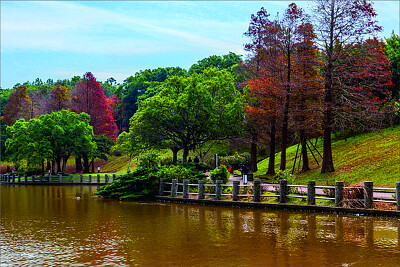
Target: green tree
191	111
393	54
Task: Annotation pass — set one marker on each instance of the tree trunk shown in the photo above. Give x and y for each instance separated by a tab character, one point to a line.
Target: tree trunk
78	165
303	140
130	161
185	154
327	159
85	164
58	164
174	155
64	166
53	167
253	153
92	165
271	163
43	167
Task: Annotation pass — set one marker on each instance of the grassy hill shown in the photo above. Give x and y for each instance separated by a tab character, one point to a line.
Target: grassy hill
366	157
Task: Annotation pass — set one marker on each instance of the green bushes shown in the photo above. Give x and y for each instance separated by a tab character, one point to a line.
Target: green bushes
220	173
235	160
140	184
149	160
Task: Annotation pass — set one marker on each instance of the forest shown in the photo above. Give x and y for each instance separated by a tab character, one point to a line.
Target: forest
302	77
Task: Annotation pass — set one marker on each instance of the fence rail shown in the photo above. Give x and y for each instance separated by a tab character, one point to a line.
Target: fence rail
57	179
258	192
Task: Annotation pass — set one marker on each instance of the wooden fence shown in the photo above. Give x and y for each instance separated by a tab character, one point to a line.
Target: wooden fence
282	191
57	179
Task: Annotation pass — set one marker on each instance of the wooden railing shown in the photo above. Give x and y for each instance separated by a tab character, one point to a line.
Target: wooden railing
259	192
57	179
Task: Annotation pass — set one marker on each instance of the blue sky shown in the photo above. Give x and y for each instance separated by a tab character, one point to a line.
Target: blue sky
61	39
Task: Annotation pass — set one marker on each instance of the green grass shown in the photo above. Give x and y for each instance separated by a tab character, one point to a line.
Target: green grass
366	157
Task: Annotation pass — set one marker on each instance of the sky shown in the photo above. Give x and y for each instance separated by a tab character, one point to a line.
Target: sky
62	39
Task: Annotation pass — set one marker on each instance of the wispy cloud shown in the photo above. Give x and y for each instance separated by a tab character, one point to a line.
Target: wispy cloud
64	26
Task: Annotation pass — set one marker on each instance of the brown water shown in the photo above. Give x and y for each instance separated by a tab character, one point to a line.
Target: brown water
67	225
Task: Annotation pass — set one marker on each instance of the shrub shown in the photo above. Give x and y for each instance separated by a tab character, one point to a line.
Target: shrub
180	172
139	184
220	173
149	160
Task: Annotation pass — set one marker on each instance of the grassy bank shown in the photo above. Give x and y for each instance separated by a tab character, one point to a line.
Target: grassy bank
365	157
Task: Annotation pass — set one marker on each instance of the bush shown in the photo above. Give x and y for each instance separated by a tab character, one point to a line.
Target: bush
140	184
149	160
190	171
220	173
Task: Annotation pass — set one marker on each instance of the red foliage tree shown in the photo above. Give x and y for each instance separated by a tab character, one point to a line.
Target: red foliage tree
88	96
339	23
360	95
19	105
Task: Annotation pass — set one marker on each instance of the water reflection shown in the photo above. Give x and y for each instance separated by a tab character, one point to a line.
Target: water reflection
64	225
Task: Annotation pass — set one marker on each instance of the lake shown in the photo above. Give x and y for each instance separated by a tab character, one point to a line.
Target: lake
67	225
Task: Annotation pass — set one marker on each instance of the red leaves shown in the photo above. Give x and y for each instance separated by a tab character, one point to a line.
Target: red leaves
19	105
88	96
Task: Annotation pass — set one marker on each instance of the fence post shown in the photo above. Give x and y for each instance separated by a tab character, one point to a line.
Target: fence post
19	178
218	189
26	178
174	187
398	195
282	191
161	189
41	178
339	193
49	177
185	188
105	178
201	189
81	178
235	191
90	178
98	178
114	177
311	193
257	190
13	178
368	194
60	178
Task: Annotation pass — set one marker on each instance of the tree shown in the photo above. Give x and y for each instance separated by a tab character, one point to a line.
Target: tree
19	105
52	136
88	97
190	111
221	62
338	23
129	144
393	54
59	98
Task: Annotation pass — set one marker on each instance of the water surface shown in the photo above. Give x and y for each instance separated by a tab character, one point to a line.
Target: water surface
67	225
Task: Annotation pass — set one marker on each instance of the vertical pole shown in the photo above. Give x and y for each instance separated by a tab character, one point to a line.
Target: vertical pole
33	178
218	189
19	178
105	178
368	194
311	193
81	178
26	178
339	193
185	188
13	178
201	189
161	189
235	191
41	178
98	178
90	178
114	177
49	177
398	195
174	187
257	190
60	178
282	191
70	178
